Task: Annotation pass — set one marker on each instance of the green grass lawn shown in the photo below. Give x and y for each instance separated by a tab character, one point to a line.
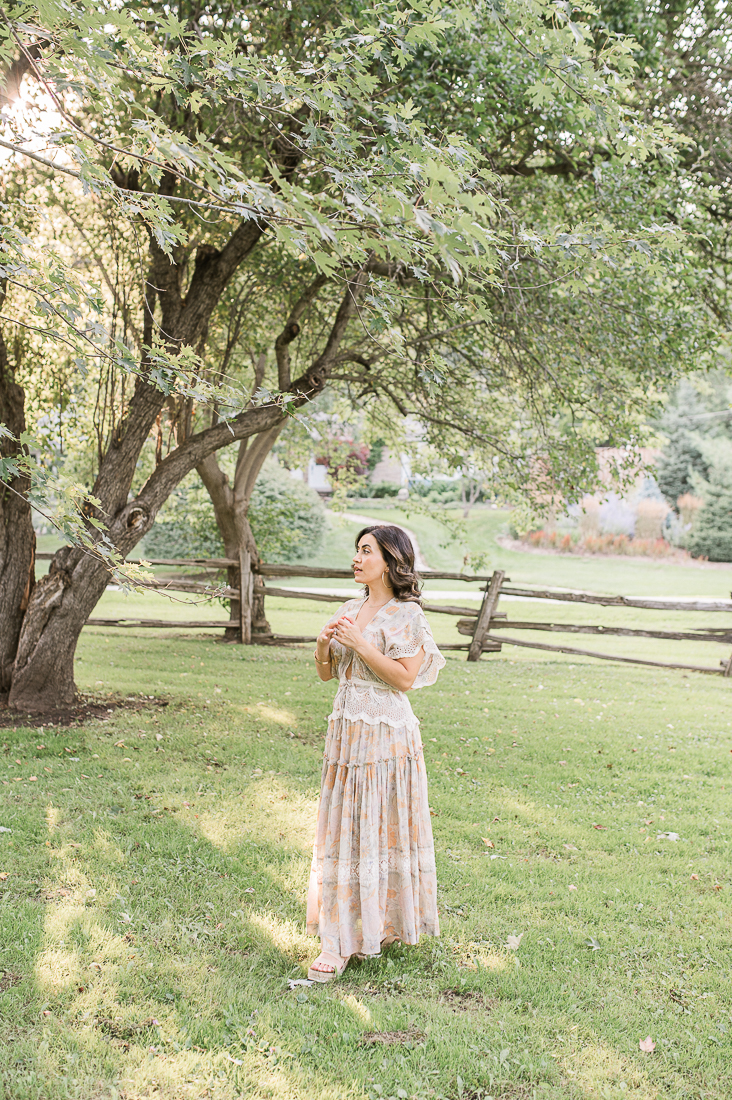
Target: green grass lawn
153	879
157	864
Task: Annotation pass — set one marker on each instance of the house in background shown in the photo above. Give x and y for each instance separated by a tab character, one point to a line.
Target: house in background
392	470
388	471
316	476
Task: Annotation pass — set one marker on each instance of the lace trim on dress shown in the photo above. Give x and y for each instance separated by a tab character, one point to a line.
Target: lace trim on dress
373	702
375	719
368	872
408	757
433	659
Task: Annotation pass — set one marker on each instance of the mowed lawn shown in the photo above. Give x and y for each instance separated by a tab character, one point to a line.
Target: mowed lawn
154	866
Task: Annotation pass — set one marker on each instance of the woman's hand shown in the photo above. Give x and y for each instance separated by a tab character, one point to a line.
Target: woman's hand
322	652
325	636
348	633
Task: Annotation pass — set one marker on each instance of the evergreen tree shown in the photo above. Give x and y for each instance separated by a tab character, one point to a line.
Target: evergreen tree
680	460
712	536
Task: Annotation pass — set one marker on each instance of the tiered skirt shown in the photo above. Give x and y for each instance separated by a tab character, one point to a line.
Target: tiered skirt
373	871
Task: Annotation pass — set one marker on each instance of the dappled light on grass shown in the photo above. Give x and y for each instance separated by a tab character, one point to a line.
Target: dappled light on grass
489	960
476	956
219	828
105	847
58	969
276	806
274	714
287	936
270	811
358	1008
586	1063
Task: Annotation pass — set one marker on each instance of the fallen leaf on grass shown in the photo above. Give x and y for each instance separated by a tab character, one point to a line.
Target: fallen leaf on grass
514	942
599	826
668	836
488	843
570	847
647	1045
3	876
292	983
593	943
695	878
572	887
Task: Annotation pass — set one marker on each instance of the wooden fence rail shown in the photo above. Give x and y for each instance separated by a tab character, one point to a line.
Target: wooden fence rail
476	623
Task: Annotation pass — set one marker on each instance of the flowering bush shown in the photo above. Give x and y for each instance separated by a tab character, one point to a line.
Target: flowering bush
601	544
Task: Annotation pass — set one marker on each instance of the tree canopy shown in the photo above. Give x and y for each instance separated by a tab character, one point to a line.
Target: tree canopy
464	214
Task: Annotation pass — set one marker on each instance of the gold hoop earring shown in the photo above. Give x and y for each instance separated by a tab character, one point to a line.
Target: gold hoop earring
385	583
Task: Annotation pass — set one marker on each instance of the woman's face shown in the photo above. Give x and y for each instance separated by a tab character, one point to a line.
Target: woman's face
368	561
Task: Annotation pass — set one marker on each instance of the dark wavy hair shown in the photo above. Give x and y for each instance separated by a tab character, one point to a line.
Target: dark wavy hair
398	553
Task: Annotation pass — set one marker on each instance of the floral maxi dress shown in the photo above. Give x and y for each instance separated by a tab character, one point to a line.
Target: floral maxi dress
373	871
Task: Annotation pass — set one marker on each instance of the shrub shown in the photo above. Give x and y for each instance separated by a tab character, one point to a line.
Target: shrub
679	462
286	516
712	534
185	526
600	544
589	517
688	506
649	518
385	489
287	520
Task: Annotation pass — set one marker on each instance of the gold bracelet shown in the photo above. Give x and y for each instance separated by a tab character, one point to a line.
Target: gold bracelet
315	655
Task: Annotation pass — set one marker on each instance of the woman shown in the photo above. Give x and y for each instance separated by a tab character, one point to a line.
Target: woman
373	875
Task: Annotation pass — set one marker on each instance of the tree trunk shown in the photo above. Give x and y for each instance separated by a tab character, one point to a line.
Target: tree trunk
61	602
469	495
231	508
17	537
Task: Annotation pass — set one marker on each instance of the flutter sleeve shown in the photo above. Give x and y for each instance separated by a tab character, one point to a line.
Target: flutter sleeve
406	633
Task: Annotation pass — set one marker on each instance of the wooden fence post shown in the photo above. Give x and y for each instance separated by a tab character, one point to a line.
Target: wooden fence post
483	625
246	581
727	665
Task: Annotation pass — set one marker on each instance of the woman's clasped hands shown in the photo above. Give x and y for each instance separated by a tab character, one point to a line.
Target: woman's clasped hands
344	630
348	633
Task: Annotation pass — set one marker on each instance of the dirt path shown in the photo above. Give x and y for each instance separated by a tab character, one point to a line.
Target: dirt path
371	521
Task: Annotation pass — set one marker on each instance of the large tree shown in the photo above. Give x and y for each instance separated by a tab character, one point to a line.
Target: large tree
217	133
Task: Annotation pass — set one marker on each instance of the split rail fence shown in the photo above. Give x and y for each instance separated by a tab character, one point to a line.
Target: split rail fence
479	625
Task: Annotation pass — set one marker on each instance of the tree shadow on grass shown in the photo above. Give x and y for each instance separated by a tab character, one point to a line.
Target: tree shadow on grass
162	975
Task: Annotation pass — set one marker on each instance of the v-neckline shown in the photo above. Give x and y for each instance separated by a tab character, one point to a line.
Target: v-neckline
377	612
368	624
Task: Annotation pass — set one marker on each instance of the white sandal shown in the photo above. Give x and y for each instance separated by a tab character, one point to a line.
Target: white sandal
339	965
